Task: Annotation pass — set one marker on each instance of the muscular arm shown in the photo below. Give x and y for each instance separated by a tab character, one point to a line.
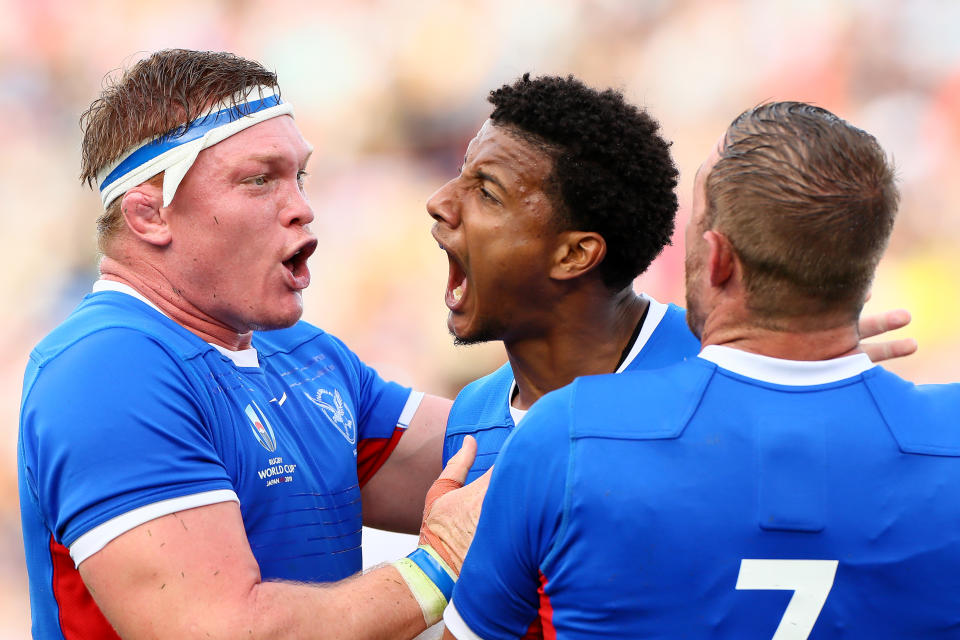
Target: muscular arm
192	574
393	498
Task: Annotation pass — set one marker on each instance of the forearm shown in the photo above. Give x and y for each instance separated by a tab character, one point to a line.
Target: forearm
191	574
372	606
375	605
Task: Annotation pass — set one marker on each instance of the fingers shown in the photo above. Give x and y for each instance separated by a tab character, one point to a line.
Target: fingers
889	350
454	474
882	322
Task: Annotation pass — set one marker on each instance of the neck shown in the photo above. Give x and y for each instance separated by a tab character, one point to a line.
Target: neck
152	285
782	340
588	337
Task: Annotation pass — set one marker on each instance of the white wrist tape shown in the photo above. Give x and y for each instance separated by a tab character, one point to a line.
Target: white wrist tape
430	580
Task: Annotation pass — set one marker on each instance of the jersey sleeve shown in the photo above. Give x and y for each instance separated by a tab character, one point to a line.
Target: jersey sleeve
497	594
113	435
384	411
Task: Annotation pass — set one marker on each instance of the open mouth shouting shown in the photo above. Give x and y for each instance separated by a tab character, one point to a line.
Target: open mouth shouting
456	283
297	272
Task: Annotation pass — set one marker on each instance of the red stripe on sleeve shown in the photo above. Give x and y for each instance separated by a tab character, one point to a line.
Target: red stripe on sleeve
373	452
80	617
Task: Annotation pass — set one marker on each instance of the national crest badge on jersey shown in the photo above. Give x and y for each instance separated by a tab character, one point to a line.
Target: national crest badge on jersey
336	411
261	427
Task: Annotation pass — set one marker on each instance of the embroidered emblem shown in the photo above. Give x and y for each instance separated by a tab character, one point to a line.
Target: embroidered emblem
336	411
261	427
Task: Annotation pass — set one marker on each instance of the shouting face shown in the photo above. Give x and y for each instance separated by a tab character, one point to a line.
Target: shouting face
240	240
498	226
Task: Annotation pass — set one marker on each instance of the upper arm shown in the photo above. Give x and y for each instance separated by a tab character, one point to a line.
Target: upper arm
179	575
393	497
496	594
110	426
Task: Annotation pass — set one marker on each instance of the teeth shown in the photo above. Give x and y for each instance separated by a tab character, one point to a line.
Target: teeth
458	293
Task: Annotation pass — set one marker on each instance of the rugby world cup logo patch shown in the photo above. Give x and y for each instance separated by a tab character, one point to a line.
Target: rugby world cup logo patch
262	430
336	411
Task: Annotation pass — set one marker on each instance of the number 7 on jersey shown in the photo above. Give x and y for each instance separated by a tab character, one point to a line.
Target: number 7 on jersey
810	581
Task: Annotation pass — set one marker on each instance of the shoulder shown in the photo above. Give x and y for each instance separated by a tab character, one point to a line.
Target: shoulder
111	320
485	394
609	405
113	333
501	378
664	338
115	365
674	325
922	418
675	317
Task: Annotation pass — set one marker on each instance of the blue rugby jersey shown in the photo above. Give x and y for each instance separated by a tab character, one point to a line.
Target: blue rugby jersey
728	496
482	408
127	416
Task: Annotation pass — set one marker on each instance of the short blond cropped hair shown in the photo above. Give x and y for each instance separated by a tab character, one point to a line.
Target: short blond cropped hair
155	96
808	202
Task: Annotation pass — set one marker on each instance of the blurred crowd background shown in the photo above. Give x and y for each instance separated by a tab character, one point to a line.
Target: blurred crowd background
390	92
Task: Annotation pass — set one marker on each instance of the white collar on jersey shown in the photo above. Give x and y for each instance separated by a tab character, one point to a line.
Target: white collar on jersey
242	358
786	372
655	314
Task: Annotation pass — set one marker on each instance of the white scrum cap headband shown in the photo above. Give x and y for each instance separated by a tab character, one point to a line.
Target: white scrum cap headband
176	150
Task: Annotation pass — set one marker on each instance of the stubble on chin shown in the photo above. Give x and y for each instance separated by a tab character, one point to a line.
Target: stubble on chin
272	324
486	332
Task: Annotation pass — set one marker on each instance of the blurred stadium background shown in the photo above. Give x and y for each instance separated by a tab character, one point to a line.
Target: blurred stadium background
391	91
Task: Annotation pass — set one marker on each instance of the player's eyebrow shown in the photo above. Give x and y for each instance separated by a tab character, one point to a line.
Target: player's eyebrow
483	175
273	159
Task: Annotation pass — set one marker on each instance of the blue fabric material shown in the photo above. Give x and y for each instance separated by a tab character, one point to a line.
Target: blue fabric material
482	410
123	408
632	500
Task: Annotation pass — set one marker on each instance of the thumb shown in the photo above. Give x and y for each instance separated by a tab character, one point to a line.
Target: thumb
454	474
460	464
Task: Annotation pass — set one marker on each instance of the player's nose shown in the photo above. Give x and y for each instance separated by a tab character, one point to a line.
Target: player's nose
443	206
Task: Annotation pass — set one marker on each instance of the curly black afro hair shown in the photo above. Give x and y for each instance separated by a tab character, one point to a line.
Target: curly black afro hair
612	172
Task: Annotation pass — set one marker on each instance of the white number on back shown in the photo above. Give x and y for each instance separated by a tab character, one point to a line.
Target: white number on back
810	581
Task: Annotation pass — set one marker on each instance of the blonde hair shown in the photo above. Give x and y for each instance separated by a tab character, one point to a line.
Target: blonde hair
155	96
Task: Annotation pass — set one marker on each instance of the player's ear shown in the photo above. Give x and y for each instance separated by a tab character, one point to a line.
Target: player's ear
721	258
577	253
142	209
